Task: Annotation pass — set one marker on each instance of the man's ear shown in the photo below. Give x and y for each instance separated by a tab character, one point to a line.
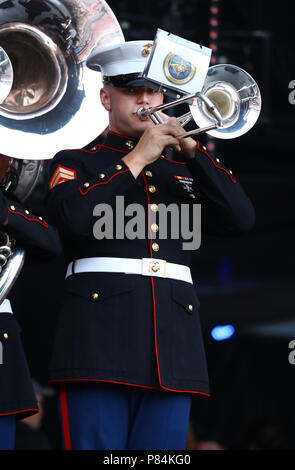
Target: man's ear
105	98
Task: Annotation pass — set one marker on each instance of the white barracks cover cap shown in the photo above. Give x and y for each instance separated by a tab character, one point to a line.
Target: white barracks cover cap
122	64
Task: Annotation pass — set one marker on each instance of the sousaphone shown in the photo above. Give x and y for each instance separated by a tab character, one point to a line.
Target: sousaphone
49	98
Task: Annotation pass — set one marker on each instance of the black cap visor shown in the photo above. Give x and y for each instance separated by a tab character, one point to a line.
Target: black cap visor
130	80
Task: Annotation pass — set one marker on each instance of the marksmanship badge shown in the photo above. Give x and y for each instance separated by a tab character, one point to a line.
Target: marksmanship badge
177	70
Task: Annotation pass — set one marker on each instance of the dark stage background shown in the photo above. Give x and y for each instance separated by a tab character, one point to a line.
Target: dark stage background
246	281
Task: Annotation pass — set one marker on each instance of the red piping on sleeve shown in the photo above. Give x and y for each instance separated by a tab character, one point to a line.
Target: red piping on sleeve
103	182
29	219
65	417
217	166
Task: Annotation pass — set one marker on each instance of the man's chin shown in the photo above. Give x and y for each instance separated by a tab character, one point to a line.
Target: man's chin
135	130
140	126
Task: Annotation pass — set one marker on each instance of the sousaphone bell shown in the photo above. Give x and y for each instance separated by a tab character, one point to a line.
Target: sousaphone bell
49	98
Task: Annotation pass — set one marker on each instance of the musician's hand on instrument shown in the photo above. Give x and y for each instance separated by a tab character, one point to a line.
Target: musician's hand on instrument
151	145
187	146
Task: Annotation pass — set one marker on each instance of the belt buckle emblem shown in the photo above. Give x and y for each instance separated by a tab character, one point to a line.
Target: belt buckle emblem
153	267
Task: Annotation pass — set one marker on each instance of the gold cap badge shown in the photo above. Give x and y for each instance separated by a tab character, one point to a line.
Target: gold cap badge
146	49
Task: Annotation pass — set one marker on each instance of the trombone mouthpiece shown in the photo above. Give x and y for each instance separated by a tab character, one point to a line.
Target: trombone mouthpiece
143	114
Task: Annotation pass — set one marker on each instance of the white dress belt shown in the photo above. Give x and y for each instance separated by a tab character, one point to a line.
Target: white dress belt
145	267
5	307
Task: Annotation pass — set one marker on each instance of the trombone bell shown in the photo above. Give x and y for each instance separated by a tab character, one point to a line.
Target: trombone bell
236	96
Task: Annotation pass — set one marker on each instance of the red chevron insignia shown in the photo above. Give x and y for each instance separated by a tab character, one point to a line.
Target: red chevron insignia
61	175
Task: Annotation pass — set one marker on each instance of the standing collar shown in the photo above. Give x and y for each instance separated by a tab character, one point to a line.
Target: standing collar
120	142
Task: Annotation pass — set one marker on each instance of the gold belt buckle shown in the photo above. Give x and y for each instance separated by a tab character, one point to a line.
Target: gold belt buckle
153	267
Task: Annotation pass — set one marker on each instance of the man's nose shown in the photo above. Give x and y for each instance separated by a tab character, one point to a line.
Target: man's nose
143	97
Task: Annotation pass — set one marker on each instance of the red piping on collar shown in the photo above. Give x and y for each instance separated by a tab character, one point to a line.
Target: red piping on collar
120	135
116	150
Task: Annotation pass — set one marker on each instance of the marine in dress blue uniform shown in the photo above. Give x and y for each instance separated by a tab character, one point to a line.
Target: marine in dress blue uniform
128	350
17	397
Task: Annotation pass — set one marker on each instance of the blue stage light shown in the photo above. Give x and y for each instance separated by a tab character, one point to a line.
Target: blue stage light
222	332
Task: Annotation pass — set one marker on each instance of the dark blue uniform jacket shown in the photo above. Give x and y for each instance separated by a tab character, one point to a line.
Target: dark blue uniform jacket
34	234
127	328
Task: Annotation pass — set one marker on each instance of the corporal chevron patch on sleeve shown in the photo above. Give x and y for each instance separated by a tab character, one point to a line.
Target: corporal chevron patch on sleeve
61	175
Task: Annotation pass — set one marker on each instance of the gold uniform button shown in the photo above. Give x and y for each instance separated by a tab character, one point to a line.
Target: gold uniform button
192	196
5	336
190	307
86	185
102	175
148	173
118	167
40	218
155	247
217	159
152	189
12	208
230	172
27	212
95	296
154	227
204	148
154	207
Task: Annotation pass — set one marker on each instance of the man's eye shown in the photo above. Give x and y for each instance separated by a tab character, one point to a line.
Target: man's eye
130	90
